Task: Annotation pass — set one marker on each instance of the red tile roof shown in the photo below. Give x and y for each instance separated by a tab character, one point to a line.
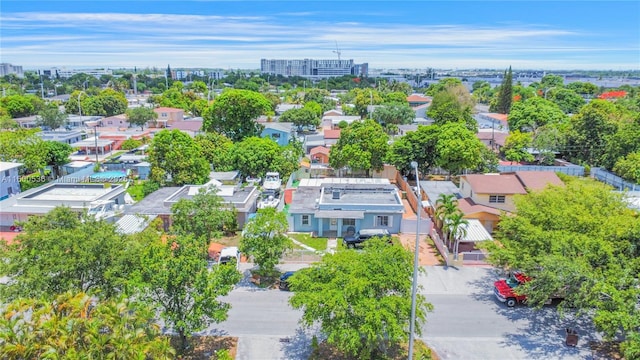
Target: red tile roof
319	150
468	207
613	94
414	98
168	109
332	134
538	180
495	184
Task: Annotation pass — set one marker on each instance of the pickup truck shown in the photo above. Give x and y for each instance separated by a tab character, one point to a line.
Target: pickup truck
505	290
359	237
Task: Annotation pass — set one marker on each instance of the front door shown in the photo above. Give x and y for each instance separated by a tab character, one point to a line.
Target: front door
333	225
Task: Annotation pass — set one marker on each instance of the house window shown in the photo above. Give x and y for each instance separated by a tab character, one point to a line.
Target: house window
7	173
382	220
349	222
275	135
305	220
496	199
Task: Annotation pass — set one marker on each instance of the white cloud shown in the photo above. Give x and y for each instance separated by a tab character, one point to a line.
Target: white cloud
121	39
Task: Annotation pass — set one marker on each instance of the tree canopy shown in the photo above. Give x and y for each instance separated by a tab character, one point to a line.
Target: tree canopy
205	216
140	116
264	238
531	114
458	148
176	159
362	146
216	148
233	114
360	299
419	146
52	117
453	104
60	252
581	241
174	278
75	326
301	117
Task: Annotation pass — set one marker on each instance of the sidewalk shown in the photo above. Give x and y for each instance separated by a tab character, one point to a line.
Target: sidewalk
427	254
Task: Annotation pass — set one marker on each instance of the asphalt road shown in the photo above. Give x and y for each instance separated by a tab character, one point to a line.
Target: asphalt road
467	322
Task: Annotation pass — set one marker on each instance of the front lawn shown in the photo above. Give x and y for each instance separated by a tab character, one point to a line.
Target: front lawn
318	243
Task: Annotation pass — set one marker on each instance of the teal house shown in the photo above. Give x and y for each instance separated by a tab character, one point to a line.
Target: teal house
335	207
280	132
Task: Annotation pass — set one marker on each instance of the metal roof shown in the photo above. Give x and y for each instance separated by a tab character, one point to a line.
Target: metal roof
133	223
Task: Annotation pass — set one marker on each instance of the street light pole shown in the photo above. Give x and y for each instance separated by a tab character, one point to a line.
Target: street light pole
414	286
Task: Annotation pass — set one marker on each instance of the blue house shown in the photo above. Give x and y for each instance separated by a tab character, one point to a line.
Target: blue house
340	206
10	179
280	132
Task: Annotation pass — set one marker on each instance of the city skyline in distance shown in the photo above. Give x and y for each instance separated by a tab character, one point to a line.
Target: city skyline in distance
553	35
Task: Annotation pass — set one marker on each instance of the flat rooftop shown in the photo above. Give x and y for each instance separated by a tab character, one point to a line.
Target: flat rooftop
70	192
326	181
352	194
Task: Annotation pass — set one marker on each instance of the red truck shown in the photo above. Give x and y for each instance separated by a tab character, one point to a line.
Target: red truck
505	289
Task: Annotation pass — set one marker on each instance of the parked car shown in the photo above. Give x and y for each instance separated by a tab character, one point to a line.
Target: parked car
505	290
283	284
230	255
361	236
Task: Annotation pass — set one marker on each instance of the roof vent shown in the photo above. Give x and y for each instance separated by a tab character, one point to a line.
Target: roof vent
336	194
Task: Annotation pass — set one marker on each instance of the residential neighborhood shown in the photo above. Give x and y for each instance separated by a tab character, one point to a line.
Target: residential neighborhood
312	207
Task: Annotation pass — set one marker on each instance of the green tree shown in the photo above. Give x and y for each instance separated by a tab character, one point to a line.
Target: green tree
233	114
198	86
458	148
107	103
61	252
301	117
52	117
255	156
446	206
24	146
419	146
362	146
315	107
569	101
264	239
57	154
517	145
505	95
360	299
131	144
175	280
550	80
583	88
623	142
205	216
75	326
590	128
442	85
176	159
531	114
453	104
395	97
457	228
590	257
216	148
394	114
17	105
140	116
628	167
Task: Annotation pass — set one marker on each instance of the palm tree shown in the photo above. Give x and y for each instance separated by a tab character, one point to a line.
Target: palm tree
457	225
446	205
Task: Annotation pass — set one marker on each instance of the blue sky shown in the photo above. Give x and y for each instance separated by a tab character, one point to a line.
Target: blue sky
386	34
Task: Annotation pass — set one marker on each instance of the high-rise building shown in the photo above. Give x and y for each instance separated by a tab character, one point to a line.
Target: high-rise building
7	69
313	68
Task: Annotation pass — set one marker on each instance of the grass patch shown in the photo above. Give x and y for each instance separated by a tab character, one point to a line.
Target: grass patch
318	243
136	191
231	240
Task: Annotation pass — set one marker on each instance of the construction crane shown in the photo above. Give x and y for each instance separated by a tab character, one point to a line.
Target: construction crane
337	50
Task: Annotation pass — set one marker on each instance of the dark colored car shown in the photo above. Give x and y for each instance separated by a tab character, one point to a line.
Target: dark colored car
283	284
361	236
